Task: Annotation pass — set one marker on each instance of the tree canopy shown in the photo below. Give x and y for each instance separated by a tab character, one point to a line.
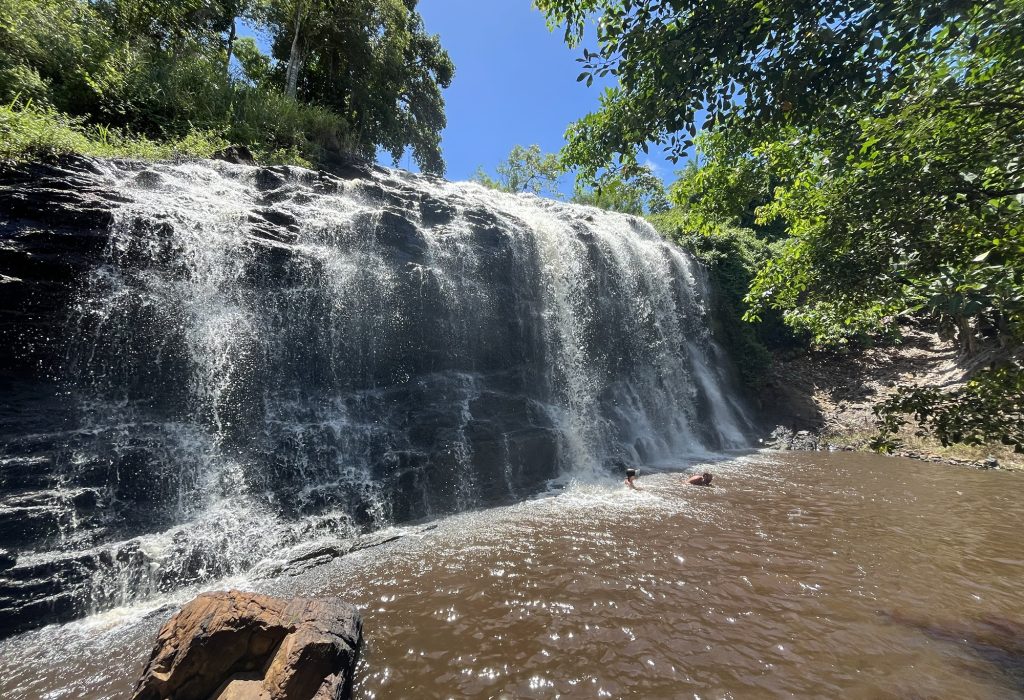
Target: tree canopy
526	169
345	75
529	169
643	193
372	62
683	64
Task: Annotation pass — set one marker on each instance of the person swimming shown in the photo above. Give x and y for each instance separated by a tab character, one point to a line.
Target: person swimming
631	476
700	479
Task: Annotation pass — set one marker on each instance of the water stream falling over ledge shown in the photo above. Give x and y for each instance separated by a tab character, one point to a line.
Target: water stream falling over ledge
259	357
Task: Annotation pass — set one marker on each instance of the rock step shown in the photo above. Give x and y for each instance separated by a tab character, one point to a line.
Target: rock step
28	516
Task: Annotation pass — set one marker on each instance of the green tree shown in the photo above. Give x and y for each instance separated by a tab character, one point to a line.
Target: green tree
908	205
48	51
527	169
641	194
255	65
729	178
686	64
372	62
365	75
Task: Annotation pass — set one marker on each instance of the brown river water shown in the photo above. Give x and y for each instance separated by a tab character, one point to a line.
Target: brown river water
798	575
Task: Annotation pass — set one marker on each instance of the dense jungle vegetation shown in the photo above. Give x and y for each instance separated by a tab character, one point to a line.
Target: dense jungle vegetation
157	78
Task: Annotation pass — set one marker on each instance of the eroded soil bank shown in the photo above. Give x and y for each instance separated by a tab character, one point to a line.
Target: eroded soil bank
825	401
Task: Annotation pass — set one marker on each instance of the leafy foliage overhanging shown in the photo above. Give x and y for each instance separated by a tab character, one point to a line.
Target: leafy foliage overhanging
878	148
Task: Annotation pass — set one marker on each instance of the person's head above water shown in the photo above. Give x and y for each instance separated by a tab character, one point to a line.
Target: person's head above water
700	479
631	476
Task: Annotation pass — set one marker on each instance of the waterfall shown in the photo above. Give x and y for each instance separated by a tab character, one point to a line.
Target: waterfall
265	356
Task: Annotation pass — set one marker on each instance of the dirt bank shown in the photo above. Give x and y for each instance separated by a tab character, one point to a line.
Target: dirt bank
827	400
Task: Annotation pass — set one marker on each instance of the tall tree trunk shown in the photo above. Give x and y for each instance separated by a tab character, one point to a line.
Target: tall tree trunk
291	83
231	46
965	337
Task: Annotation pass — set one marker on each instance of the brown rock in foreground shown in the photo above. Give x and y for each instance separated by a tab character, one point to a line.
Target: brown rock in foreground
245	646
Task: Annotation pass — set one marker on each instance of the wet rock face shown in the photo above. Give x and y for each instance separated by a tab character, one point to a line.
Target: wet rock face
246	646
203	364
54	221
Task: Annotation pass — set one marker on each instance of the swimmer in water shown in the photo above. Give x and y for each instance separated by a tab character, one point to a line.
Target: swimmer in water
700	479
631	476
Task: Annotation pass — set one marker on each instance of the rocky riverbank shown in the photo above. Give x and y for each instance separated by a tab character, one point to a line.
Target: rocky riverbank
825	401
783	438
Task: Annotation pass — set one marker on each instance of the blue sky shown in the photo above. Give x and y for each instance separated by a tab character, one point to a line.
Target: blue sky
515	83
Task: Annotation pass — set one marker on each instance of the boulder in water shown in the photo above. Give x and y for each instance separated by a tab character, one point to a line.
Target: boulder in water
783	438
246	646
239	155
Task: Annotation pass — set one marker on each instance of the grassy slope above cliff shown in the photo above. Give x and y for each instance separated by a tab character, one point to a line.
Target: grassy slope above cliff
27	134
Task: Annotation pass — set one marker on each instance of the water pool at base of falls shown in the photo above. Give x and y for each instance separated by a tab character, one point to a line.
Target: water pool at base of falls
796	575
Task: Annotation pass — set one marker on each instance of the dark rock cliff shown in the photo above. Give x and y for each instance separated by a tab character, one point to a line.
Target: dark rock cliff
203	363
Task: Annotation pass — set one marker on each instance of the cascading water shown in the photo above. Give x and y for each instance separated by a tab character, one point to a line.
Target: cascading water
269	356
